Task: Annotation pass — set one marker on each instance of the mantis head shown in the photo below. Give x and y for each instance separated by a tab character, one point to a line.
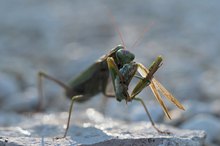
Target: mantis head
124	56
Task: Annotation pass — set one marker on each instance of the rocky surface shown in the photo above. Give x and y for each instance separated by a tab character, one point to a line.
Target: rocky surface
42	129
63	38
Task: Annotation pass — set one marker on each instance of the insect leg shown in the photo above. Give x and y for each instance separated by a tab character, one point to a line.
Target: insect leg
150	81
74	98
148	75
70	112
155	86
148	114
138	77
113	69
40	88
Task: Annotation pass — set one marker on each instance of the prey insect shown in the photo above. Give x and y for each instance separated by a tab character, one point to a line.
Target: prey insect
120	64
121	78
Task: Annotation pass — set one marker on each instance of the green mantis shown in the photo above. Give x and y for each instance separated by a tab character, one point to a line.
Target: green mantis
120	64
83	84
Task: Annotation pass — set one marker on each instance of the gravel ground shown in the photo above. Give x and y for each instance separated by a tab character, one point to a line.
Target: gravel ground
62	38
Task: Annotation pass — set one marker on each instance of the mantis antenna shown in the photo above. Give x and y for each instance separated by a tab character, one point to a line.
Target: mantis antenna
116	28
142	35
120	34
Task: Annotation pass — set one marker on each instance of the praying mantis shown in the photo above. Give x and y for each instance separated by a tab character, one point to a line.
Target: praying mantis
120	64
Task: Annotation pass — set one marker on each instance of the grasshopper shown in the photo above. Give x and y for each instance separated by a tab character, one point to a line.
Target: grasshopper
121	78
120	65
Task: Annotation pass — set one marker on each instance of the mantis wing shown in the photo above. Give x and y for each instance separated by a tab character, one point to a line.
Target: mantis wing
100	66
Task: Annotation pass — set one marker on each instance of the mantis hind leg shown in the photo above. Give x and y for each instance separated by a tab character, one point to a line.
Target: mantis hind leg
149	116
40	87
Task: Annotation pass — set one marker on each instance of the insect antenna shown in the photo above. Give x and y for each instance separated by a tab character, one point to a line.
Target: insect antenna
116	28
142	35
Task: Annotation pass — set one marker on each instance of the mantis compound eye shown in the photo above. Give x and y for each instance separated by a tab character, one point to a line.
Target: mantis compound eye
124	56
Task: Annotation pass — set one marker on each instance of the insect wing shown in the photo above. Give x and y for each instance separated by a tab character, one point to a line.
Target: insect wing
86	75
94	69
155	86
167	94
159	99
144	72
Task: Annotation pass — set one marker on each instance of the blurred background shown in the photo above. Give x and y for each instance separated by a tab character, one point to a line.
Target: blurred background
62	38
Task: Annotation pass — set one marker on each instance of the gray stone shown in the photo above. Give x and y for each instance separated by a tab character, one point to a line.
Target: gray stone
208	123
91	128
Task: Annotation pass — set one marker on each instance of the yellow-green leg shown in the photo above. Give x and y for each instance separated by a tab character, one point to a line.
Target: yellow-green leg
74	98
149	116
